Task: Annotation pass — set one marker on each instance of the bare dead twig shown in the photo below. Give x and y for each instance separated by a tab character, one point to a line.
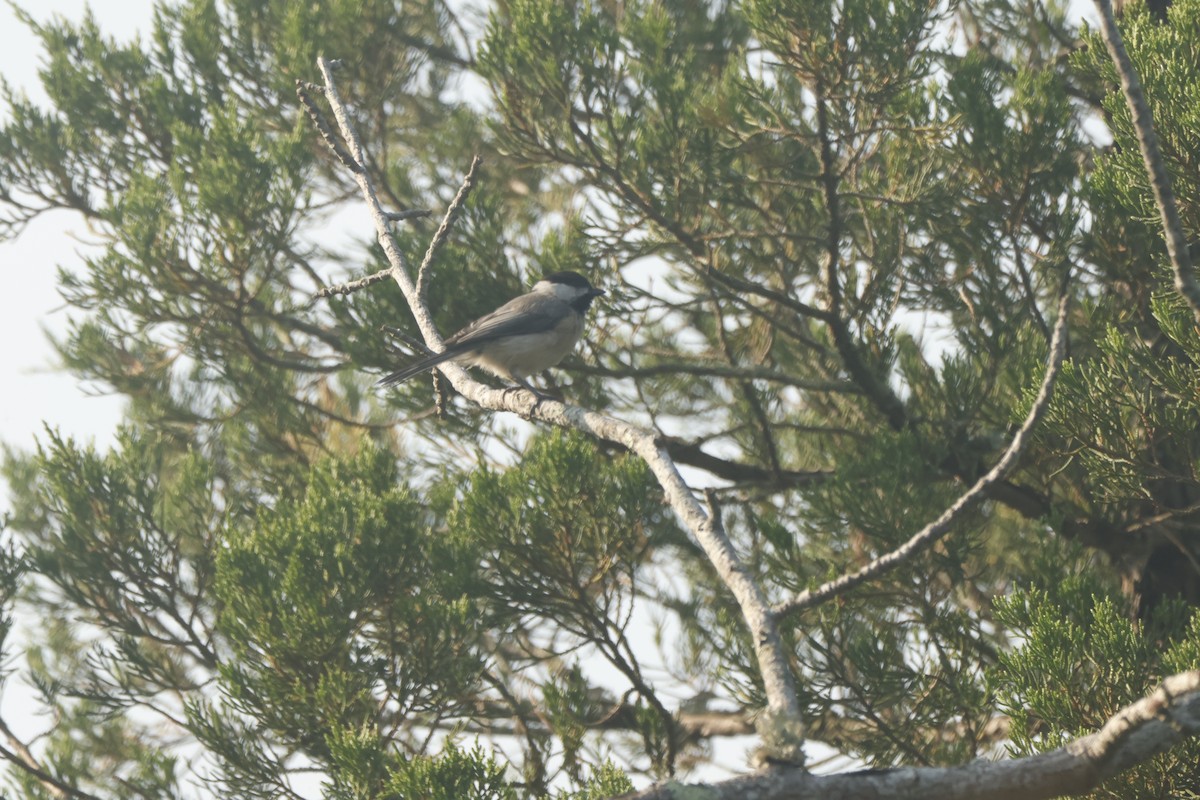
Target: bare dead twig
439	237
387	241
383	274
353	286
322	125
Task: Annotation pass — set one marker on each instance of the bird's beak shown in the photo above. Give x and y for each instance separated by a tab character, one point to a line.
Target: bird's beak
597	292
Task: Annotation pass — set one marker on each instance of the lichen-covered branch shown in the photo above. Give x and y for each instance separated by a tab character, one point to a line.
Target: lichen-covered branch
439	237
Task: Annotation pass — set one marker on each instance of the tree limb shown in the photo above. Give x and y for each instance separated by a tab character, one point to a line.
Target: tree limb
783	706
944	523
874	387
693	455
1132	736
1156	170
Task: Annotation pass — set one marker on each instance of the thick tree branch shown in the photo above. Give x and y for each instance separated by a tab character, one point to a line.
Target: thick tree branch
1134	735
1156	170
944	523
778	682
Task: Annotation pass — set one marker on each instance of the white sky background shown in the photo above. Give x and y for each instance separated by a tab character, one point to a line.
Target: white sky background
35	392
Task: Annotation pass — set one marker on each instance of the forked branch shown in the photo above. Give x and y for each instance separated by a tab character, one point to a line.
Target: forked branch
1132	736
783	705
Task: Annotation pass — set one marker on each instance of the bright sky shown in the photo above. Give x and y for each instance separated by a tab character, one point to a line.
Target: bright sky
35	392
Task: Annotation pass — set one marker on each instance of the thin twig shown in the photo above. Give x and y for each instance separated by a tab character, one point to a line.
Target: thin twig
383	274
23	758
875	388
712	504
443	230
945	523
1156	170
440	395
387	241
715	369
1027	286
408	214
353	286
416	344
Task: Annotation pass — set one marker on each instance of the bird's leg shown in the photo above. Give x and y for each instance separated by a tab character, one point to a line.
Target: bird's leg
524	384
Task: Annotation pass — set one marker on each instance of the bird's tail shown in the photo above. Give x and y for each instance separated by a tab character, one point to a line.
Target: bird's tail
416	368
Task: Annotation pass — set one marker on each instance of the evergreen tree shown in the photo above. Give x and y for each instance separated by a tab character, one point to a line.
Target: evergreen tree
840	241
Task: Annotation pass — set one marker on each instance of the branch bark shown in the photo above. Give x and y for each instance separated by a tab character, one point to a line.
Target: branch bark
1156	170
1134	735
783	706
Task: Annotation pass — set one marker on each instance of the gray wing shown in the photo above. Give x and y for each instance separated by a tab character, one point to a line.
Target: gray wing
519	316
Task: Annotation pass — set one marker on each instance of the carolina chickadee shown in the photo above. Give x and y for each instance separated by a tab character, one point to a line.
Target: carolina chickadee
524	336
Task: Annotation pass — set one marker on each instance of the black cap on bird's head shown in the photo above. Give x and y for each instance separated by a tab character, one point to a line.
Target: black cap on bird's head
568	279
586	292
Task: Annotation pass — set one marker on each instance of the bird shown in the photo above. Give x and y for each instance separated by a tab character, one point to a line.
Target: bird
526	335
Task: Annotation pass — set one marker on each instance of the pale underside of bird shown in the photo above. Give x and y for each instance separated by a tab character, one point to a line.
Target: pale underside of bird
523	337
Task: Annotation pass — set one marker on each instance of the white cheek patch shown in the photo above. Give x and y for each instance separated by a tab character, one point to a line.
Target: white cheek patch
568	294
